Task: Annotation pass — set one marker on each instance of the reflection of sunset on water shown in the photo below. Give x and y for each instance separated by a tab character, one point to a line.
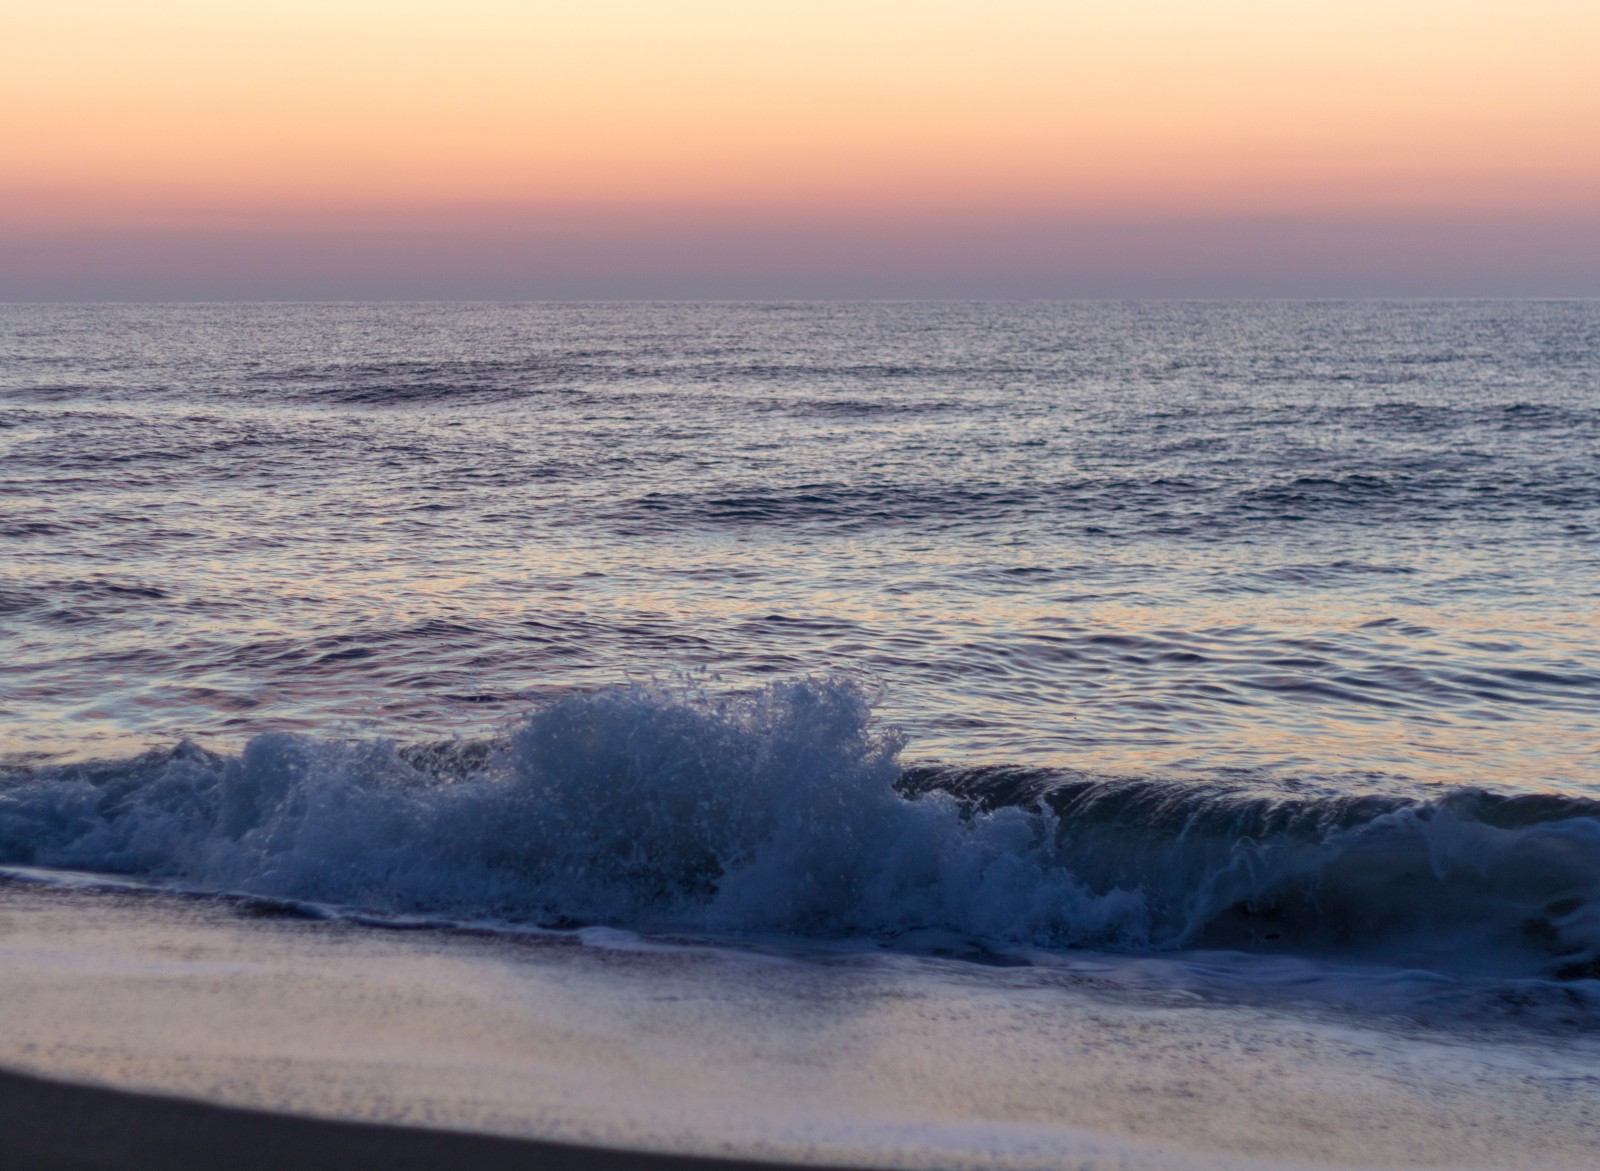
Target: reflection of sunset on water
1026	550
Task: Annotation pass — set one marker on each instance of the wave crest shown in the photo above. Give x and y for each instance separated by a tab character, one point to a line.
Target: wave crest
788	811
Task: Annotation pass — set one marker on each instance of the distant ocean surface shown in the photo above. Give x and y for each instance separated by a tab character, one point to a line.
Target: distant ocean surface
1265	627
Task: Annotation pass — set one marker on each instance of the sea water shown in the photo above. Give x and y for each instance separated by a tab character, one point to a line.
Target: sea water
1220	640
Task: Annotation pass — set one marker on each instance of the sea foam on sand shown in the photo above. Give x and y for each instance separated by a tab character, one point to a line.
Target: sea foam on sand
838	1056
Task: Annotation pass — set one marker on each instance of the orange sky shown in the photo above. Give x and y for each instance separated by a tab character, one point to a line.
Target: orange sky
181	121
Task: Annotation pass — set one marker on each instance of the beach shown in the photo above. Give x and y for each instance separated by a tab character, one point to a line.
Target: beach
52	1126
287	1039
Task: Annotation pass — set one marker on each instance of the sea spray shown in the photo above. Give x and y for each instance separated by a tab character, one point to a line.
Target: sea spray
787	811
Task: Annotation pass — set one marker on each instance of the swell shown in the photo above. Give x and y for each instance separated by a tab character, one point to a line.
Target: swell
1208	504
788	811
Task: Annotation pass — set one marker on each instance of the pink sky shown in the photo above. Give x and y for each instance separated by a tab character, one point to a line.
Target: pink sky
712	148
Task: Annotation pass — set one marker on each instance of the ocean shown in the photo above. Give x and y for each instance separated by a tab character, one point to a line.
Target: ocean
1233	651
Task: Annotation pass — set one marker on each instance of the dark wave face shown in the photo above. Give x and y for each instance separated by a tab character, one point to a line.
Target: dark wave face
1249	625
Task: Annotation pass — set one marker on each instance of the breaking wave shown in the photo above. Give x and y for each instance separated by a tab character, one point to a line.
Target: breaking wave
788	811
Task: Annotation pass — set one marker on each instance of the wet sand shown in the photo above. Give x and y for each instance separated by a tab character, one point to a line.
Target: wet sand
56	1126
282	1042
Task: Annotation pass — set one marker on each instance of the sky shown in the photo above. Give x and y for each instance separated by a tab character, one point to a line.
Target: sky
179	149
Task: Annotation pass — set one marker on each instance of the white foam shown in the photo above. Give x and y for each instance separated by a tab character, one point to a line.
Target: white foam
776	812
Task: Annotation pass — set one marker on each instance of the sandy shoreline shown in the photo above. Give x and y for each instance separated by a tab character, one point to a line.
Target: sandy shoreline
149	1031
58	1126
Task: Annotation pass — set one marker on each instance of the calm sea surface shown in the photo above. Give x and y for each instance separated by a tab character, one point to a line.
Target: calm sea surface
1314	537
1338	552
